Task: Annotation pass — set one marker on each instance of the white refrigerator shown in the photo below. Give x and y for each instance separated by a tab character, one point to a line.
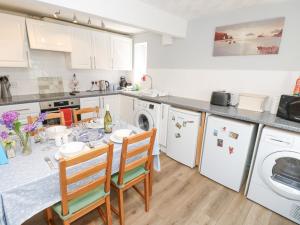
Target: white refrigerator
183	126
227	150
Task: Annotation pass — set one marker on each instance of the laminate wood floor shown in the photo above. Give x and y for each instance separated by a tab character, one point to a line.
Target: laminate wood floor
181	196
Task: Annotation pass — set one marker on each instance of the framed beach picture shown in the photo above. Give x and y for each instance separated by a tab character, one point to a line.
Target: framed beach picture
252	38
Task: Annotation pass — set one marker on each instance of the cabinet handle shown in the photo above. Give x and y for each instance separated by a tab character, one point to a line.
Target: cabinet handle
20	110
103	102
94	62
91	62
162	111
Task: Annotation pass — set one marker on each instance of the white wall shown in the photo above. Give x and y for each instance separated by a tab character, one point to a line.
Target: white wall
187	68
53	64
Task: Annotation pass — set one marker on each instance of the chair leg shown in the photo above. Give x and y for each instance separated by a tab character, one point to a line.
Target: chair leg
121	207
147	189
49	216
151	178
108	211
67	223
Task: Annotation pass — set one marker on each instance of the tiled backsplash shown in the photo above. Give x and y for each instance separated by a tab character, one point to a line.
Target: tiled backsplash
50	85
53	64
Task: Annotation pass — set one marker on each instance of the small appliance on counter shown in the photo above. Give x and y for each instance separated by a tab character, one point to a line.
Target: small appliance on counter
123	82
220	98
5	87
289	108
103	85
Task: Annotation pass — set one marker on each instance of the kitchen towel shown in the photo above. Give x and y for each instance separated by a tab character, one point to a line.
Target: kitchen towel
68	116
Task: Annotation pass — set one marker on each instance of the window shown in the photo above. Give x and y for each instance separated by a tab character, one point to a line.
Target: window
140	62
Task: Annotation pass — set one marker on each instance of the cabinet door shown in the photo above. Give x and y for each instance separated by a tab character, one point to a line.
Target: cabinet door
121	52
87	103
49	36
81	55
25	110
163	130
102	51
127	105
114	105
14	52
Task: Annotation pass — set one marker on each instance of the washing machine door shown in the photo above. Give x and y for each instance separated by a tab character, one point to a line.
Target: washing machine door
281	172
144	120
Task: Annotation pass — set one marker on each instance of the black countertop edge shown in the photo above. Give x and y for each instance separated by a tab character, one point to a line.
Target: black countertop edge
265	118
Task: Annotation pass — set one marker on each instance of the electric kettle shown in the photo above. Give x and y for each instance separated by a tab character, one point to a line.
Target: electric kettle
5	87
103	85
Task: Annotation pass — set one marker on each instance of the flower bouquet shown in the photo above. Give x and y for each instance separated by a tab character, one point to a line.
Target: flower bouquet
12	123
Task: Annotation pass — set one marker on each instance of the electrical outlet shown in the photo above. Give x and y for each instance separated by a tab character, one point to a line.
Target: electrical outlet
14	85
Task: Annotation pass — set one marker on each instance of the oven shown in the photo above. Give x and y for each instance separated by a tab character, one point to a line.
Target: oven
55	105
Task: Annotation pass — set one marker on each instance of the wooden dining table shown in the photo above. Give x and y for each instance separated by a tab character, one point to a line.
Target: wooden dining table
29	185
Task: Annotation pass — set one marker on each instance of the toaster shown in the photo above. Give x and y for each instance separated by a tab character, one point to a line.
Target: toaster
221	98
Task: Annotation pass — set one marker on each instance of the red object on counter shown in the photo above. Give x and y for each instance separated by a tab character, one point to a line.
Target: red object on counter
68	116
297	87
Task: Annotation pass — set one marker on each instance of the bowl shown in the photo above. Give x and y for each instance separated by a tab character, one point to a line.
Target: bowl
54	131
72	149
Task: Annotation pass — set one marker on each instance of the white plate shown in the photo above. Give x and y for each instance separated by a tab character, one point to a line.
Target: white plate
115	140
58	155
93	125
73	148
120	134
60	134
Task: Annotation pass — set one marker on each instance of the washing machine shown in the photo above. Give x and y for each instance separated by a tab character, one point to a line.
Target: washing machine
275	181
147	115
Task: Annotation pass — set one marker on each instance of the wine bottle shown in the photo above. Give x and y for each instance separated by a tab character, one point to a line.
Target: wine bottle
107	120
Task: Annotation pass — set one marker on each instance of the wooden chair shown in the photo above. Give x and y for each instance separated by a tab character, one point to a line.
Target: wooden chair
135	172
77	112
82	200
58	115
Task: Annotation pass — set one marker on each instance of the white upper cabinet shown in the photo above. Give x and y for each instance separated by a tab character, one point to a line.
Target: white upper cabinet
102	50
13	47
121	52
81	55
48	36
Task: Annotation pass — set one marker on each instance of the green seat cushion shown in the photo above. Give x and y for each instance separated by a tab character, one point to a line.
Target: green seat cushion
129	175
80	202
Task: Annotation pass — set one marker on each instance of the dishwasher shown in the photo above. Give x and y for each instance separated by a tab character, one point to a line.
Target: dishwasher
183	127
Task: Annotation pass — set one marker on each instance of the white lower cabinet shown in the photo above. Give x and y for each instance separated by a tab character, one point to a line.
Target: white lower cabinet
89	102
25	110
127	107
163	126
113	101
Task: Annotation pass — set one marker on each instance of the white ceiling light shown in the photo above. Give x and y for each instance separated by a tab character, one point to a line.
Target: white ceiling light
75	19
56	14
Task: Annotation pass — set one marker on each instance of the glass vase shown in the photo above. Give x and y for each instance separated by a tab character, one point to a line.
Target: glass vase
25	144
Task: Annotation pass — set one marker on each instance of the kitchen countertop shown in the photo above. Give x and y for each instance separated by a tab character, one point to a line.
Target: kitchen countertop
265	118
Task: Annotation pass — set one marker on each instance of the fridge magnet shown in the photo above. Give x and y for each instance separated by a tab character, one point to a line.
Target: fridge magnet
220	143
233	135
230	149
224	129
178	125
215	132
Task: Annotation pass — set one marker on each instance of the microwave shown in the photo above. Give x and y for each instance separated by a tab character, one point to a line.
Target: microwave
289	108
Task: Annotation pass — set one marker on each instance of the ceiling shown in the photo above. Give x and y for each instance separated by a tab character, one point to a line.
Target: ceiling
190	9
26	7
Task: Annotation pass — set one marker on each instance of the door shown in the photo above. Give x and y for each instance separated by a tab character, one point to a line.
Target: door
281	172
102	50
228	144
114	106
143	120
127	109
121	52
90	102
182	136
81	55
49	36
14	52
